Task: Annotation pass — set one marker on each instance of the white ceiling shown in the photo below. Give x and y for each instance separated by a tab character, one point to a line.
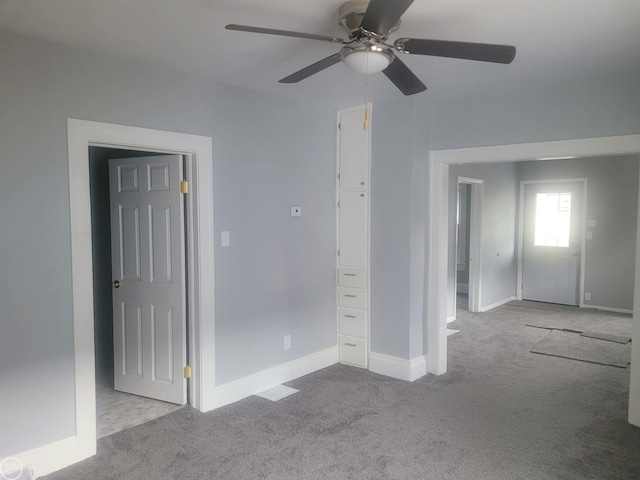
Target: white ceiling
555	40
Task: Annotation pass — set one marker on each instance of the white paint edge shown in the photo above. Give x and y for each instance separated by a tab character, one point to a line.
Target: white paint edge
497	304
400	368
258	382
80	135
440	160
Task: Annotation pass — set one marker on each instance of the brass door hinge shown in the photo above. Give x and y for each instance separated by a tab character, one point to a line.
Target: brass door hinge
184	186
188	371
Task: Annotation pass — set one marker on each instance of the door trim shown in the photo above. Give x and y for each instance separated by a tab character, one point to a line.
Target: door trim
82	134
583	232
436	292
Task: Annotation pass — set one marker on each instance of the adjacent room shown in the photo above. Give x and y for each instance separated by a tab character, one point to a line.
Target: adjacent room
246	239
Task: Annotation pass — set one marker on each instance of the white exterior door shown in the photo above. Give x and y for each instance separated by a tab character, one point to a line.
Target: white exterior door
148	267
552	242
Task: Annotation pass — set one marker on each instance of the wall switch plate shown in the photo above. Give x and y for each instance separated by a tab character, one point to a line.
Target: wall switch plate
591	223
587	296
287	342
589	235
225	239
296	211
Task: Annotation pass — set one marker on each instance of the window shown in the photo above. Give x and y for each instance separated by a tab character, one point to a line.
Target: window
553	219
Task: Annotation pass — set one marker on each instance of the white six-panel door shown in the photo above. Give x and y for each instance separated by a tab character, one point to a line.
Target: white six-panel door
148	265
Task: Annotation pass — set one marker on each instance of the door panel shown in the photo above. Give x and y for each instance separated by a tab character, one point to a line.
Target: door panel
353	150
147	219
353	229
552	242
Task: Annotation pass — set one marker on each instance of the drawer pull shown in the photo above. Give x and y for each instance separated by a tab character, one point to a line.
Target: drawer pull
350	344
349	274
350	296
350	316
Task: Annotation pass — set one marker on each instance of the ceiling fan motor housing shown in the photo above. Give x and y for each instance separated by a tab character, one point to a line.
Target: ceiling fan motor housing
350	17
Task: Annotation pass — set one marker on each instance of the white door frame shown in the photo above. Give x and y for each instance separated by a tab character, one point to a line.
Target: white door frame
81	135
583	232
436	311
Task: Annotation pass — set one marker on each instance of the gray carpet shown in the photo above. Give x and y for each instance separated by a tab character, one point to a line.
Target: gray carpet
500	412
574	346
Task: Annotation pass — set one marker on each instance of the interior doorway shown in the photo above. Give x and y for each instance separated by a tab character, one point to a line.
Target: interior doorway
81	134
468	263
115	410
436	331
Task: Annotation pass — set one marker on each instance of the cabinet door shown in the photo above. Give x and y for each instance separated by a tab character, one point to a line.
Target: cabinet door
353	150
353	229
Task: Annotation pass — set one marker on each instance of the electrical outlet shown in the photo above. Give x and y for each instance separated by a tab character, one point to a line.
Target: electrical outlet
287	342
587	296
225	239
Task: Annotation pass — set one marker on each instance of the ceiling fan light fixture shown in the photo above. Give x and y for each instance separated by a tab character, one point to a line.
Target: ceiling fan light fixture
367	59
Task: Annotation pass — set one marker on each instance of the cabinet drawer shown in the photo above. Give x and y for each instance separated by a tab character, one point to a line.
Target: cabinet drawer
351	277
353	351
352	322
350	297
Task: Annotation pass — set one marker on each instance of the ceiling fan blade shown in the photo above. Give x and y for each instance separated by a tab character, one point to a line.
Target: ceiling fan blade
403	78
482	52
284	33
311	69
382	15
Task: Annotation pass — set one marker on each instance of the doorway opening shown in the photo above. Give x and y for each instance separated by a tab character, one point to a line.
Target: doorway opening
116	410
468	258
81	135
440	160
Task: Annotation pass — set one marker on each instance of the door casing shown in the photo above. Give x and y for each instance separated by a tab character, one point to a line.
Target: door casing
81	135
436	288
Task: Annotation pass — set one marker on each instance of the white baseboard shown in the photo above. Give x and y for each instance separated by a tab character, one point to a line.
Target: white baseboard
451	319
609	309
260	381
53	456
400	368
497	304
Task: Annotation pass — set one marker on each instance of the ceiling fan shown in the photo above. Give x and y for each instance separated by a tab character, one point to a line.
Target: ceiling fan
369	24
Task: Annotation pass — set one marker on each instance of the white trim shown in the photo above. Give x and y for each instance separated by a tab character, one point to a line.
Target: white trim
583	234
260	381
625	311
438	236
48	458
497	304
634	380
400	368
81	135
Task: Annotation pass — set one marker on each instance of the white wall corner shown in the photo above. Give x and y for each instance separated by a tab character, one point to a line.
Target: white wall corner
260	381
400	368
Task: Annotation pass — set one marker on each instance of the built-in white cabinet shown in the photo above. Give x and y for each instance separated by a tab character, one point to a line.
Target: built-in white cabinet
353	236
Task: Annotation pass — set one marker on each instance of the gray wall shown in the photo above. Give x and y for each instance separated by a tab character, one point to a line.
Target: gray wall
276	278
399	178
612	200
